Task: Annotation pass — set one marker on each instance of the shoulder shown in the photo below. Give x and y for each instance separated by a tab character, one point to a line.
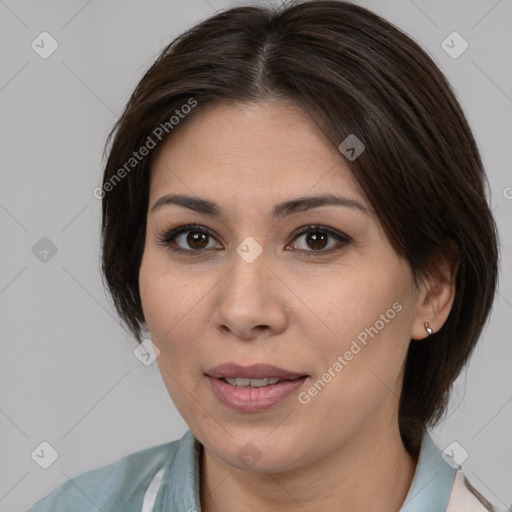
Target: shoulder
119	486
465	498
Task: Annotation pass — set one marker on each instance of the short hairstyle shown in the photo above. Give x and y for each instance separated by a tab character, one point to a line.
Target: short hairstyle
353	73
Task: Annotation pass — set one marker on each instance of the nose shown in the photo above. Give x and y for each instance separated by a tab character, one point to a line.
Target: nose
250	301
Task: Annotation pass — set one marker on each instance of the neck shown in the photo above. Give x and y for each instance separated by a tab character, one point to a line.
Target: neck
371	472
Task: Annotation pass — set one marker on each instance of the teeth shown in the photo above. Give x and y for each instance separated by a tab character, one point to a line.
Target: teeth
254	383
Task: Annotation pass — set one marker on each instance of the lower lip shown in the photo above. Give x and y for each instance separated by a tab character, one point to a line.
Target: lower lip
249	399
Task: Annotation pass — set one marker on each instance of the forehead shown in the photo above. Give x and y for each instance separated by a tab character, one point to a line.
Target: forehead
259	151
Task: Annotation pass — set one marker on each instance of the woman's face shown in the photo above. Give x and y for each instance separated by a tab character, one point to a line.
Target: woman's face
269	284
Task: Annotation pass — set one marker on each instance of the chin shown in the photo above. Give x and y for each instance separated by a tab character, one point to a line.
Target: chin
259	452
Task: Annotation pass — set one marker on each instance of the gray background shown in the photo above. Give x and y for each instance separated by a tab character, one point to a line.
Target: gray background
68	375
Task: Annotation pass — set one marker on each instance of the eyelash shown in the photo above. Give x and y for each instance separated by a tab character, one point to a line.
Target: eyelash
167	238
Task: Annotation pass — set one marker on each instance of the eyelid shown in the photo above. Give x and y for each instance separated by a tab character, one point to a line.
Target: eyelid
319	227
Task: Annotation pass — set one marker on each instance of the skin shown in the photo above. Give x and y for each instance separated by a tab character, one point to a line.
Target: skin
342	450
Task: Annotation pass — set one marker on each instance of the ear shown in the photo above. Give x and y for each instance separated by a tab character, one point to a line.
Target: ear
435	297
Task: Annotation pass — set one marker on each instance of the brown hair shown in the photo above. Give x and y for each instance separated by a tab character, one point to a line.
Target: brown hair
354	73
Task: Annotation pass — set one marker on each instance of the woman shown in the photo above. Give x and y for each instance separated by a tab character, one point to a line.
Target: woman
294	208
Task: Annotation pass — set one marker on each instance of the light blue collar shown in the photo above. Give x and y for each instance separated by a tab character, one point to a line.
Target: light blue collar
432	483
430	489
182	478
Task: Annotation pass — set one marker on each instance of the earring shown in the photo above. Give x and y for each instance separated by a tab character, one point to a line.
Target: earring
428	329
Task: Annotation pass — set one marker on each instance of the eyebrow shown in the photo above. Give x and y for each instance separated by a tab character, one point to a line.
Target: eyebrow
281	210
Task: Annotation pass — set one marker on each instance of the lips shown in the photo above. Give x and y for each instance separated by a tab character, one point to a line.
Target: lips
255	371
253	388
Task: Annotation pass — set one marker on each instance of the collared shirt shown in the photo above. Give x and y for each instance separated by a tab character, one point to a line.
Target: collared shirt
166	478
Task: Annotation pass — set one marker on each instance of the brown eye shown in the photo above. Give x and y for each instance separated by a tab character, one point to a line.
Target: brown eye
317	240
190	239
197	240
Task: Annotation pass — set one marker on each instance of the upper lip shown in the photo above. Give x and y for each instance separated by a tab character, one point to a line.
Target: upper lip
254	371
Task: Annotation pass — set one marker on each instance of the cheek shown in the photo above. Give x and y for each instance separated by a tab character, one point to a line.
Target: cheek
171	302
168	306
368	315
358	368
157	292
353	302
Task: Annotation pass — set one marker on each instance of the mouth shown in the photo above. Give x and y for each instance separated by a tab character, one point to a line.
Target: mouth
253	388
241	382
